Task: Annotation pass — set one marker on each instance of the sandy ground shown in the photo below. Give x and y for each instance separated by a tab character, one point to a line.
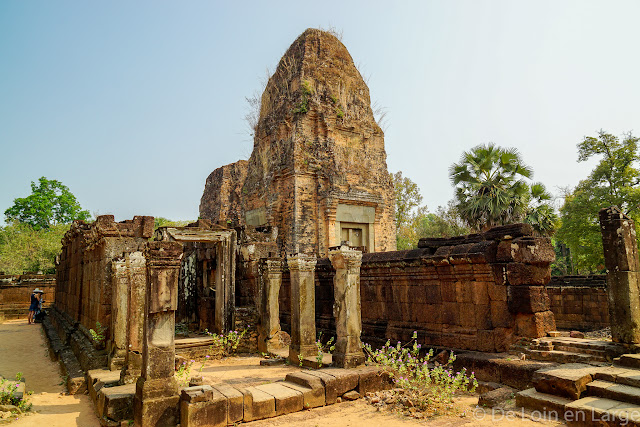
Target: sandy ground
22	349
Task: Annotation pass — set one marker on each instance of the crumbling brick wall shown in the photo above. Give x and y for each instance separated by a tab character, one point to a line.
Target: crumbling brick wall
16	290
476	292
579	302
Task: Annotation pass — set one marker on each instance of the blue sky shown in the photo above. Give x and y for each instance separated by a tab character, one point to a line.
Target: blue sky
133	104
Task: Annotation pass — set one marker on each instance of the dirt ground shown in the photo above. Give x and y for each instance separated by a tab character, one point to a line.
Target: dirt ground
22	349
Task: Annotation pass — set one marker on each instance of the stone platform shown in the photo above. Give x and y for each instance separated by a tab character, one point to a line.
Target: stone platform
224	403
584	394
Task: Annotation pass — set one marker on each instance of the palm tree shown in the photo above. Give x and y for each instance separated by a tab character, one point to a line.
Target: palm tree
490	189
540	214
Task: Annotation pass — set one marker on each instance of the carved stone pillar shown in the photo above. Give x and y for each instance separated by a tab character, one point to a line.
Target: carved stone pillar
303	307
119	313
269	281
137	275
621	260
156	399
346	308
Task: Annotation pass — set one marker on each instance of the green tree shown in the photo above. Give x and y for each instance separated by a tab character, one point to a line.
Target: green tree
408	210
540	214
165	222
446	222
614	181
26	249
50	203
490	186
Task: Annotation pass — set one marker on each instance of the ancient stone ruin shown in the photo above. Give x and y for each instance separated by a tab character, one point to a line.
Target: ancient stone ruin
318	170
300	240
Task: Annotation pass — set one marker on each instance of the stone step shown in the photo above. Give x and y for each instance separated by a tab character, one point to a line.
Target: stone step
116	403
564	356
569	380
574	349
543	402
613	391
599	411
628	360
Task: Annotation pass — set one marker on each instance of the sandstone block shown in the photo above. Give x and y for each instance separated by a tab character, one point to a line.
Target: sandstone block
311	397
496	397
527	250
373	379
528	299
569	380
346	379
287	399
535	325
235	403
329	383
258	404
527	274
209	413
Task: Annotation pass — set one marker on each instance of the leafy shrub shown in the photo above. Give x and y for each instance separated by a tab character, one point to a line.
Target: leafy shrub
430	385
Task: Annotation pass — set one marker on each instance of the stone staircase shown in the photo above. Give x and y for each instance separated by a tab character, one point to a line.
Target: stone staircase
569	350
584	394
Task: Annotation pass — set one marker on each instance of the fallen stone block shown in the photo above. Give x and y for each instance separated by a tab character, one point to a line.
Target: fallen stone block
346	379
373	379
329	383
569	380
351	395
116	403
496	397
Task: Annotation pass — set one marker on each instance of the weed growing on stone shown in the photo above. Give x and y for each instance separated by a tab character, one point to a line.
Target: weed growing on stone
430	387
8	394
98	334
183	373
324	348
225	345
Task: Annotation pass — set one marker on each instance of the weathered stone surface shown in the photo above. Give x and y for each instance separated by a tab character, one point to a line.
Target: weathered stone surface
269	282
545	403
116	403
528	274
373	379
535	325
318	167
496	397
235	403
528	299
569	380
287	399
598	411
623	286
346	379
329	383
526	250
222	197
211	412
258	404
346	307
311	397
351	395
303	318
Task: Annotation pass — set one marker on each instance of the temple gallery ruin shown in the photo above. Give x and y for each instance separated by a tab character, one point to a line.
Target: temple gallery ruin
300	240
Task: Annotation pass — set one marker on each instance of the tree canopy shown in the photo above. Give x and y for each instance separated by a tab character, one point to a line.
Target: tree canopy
25	249
50	203
614	181
492	189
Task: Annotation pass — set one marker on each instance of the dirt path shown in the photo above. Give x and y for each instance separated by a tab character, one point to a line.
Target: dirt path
22	349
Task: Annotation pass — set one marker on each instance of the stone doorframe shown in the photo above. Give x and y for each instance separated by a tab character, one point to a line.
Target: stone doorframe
225	269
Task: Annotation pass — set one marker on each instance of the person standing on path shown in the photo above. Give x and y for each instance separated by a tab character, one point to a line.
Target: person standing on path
35	304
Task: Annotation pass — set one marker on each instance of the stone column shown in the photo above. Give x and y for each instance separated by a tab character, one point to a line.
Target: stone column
269	281
346	308
156	399
303	307
137	275
621	259
119	313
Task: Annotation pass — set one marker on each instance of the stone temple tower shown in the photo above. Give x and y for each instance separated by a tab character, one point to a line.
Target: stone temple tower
318	168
